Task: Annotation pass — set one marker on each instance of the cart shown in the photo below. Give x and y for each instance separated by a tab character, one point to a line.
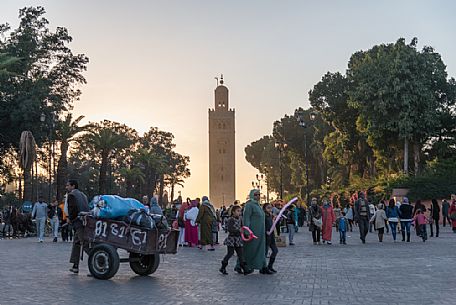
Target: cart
105	236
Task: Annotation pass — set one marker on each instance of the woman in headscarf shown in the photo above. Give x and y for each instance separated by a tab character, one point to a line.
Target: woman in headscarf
206	218
254	250
315	221
328	219
191	228
154	207
180	221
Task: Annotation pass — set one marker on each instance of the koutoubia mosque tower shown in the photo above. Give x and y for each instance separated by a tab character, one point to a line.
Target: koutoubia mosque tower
222	167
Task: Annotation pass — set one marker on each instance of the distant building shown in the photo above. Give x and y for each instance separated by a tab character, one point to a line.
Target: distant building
222	175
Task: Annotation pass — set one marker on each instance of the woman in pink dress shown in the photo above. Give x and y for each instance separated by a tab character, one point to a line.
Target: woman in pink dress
328	218
191	228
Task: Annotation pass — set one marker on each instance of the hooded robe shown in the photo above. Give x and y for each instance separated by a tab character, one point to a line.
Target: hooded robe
206	216
253	217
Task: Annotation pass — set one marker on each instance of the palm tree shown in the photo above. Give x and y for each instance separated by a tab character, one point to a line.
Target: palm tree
153	165
132	175
27	153
106	139
66	133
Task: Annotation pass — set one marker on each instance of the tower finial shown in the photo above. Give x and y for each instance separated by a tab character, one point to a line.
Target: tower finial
221	79
217	80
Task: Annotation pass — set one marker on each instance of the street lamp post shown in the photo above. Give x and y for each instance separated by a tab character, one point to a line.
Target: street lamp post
304	125
51	126
281	147
258	185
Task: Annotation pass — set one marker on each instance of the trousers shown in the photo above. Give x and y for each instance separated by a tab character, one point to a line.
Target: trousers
40	224
363	227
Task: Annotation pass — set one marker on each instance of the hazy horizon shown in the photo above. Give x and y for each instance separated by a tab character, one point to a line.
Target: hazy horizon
153	63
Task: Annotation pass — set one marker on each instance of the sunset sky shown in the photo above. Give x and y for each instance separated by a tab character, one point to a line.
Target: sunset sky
153	63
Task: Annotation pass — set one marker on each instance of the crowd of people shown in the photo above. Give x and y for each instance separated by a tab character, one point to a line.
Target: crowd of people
252	228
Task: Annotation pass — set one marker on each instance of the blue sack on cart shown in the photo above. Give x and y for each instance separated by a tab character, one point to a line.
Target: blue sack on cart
113	206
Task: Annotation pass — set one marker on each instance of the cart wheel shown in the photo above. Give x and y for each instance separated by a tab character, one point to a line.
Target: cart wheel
103	261
144	264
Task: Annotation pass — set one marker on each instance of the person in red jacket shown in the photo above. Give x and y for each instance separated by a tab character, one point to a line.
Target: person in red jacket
452	213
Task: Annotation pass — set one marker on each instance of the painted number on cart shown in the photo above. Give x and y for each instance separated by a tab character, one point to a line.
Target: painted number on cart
138	237
100	228
162	241
116	231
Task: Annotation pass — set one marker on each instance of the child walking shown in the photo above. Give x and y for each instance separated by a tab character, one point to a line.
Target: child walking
234	242
378	220
342	224
270	239
420	222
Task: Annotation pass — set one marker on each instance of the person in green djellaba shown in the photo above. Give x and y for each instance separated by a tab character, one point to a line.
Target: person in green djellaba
254	250
206	218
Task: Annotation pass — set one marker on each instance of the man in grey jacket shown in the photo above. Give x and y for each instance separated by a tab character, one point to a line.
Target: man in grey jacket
362	216
39	213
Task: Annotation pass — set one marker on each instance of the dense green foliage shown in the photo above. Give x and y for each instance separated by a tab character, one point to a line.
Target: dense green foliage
40	77
392	97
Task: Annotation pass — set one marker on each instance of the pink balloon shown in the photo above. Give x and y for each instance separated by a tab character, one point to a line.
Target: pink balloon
251	235
280	214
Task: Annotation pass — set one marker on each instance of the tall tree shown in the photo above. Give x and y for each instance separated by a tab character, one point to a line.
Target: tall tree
105	140
66	132
42	77
401	91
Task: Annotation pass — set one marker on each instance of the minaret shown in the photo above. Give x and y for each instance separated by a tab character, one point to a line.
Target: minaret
222	175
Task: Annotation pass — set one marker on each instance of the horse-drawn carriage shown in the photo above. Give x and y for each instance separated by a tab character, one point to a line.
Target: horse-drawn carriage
105	236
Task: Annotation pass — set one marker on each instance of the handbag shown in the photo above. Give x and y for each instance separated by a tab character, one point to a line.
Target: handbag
318	222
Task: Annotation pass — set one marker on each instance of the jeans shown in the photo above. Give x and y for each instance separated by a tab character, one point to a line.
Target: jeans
423	232
405	226
436	224
291	232
181	239
445	218
40	225
393	226
343	236
55	226
363	227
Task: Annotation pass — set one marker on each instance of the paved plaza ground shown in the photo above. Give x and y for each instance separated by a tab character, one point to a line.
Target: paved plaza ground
374	273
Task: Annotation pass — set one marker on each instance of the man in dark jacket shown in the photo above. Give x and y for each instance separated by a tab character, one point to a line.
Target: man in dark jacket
77	202
362	216
435	215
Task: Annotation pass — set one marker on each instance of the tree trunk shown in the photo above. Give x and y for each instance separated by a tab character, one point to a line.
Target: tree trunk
27	185
62	170
160	192
102	185
406	152
151	182
128	188
172	192
416	157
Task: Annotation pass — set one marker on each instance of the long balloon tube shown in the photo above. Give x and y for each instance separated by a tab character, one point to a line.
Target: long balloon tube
281	214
